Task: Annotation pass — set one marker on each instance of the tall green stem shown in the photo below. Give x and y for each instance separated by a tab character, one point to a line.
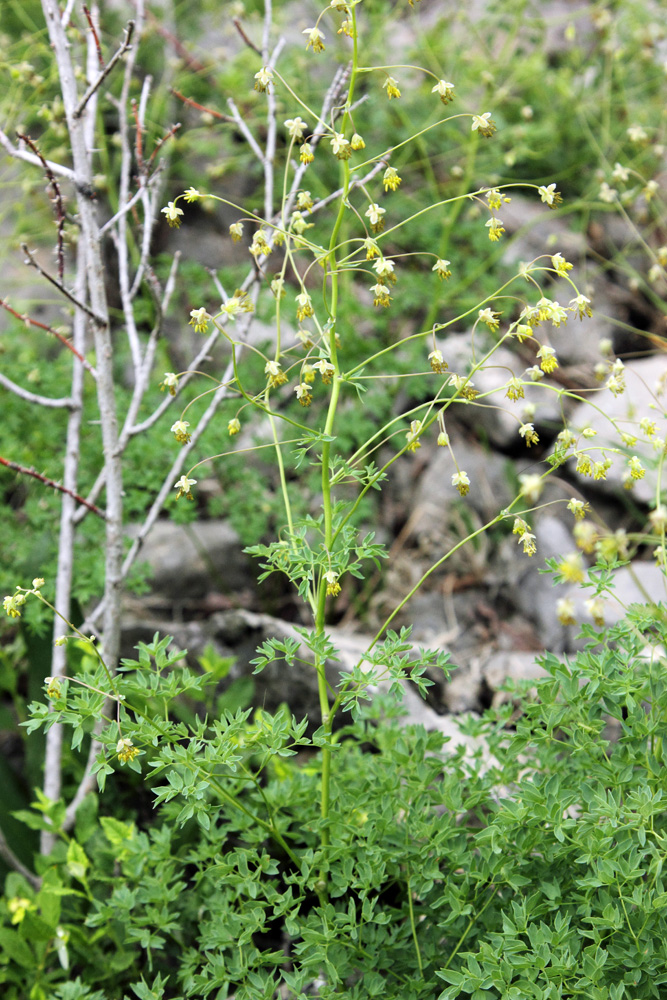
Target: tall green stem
332	269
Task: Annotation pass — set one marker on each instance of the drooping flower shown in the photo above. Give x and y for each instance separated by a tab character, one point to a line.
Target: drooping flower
578	508
437	362
315	39
390	179
295	127
412	435
495	227
581	305
566	611
549	195
462	483
12	603
126	751
548	360
263	78
489	317
341	146
180	431
170	382
391	86
183	485
595	608
571	568
560	265
381	296
532	486
384	268
172	213
374	213
303	393
274	374
199	319
304	306
529	434
515	389
444	90
441	267
484	124
326	370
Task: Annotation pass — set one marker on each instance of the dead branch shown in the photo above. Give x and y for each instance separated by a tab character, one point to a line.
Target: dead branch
165	138
57	201
22	154
251	45
200	107
96	37
118	54
13	862
29	321
31	262
24	470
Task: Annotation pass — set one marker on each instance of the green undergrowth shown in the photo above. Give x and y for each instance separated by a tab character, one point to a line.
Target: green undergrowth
526	862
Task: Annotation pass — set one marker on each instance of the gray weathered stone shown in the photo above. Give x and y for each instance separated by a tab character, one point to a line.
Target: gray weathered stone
189	560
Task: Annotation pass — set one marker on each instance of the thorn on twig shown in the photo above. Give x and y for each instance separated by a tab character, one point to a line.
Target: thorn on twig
57	200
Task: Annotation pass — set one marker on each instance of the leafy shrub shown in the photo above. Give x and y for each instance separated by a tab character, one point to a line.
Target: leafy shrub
525	862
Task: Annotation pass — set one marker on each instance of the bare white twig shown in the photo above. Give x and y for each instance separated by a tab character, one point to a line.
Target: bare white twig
33	397
323	202
143	100
27	157
247	134
94	285
67	13
89	780
121	236
266	34
178	464
65	567
127	207
270	150
168	401
170	283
